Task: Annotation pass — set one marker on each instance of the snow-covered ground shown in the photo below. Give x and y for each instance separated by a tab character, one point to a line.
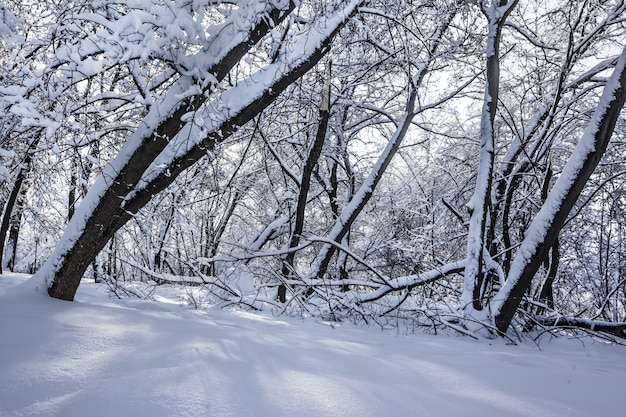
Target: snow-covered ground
104	357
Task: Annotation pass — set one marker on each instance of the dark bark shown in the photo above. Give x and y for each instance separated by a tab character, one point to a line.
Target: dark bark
547	293
15	224
601	127
107	217
71	196
216	231
158	260
552	261
305	183
112	212
8	218
481	201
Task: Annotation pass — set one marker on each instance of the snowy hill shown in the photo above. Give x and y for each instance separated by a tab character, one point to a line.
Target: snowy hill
104	357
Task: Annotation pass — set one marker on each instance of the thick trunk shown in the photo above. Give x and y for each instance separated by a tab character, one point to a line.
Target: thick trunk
544	230
128	192
101	221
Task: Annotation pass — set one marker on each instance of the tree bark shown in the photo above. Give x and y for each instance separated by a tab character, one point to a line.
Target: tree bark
544	230
480	203
123	196
305	183
552	261
103	220
7	215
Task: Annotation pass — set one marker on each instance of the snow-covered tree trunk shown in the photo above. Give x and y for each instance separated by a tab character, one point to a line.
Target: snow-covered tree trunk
11	218
546	225
87	233
176	133
480	203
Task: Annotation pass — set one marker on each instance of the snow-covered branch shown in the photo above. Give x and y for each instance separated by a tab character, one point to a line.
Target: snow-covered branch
546	225
411	281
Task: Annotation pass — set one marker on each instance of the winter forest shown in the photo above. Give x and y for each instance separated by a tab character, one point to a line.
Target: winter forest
443	165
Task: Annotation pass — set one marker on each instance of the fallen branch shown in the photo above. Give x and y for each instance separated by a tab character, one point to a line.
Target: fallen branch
411	281
612	328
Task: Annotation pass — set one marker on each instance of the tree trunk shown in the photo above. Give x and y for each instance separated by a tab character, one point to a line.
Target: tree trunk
544	230
552	261
480	203
365	192
121	191
71	195
305	183
547	293
8	218
105	216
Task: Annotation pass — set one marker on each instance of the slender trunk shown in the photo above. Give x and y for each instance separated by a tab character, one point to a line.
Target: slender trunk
8	218
71	195
305	183
547	293
365	192
10	252
158	261
218	230
552	261
480	203
342	261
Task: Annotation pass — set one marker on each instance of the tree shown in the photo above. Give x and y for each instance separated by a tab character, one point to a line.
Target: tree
175	134
191	141
544	230
522	154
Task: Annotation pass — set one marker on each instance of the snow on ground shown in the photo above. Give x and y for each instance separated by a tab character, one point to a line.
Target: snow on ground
103	357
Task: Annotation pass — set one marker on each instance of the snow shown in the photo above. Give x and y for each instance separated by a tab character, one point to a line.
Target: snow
159	110
104	357
210	118
563	188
